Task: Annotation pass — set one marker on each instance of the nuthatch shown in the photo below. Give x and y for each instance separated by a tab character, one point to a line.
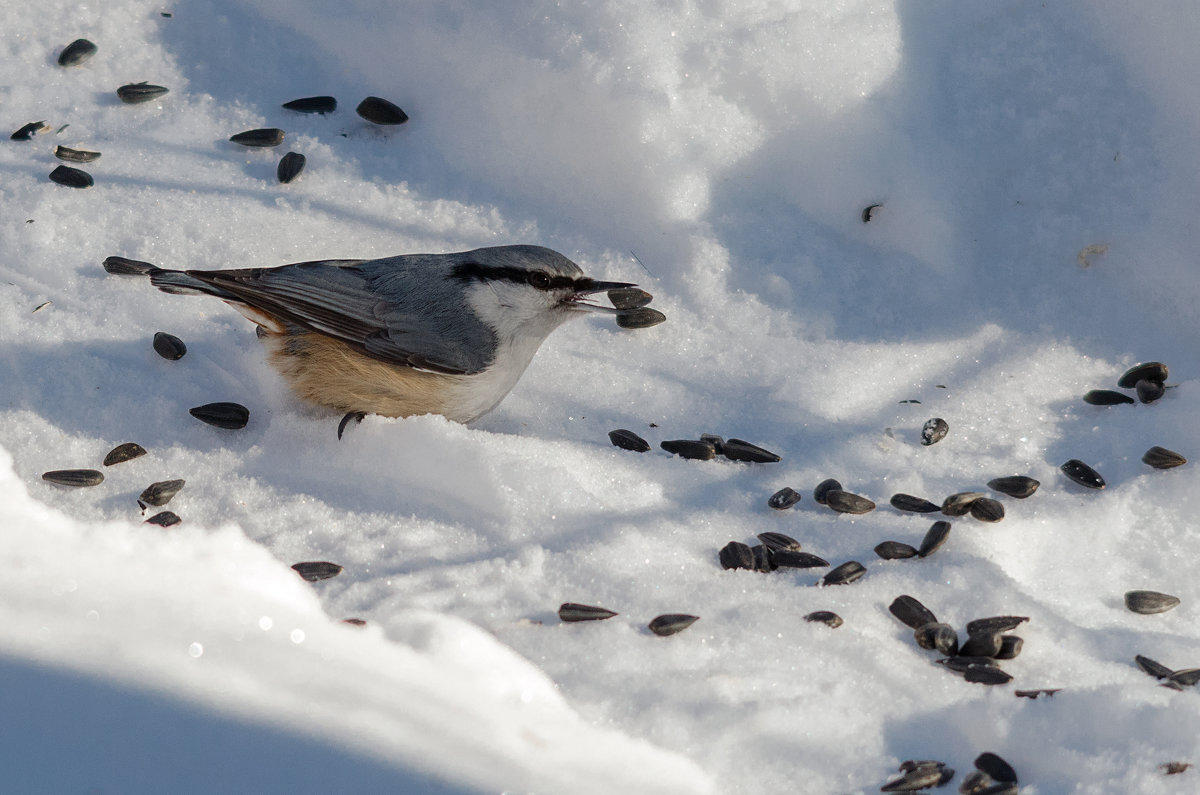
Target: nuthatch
445	334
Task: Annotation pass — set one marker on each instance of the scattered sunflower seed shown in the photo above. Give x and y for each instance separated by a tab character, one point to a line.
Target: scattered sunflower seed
263	136
689	448
75	155
312	105
1033	694
569	611
354	622
1162	458
792	559
642	317
1150	371
1149	391
380	111
124	452
231	416
960	504
29	130
823	488
907	502
1185	677
160	493
985	509
986	675
830	619
919	778
71	177
629	297
996	767
315	570
736	555
717	442
777	542
76	53
763	559
934	431
981	644
127	267
1152	667
1082	474
937	636
783	499
1174	768
1010	647
671	623
1018	486
1150	602
911	612
164	519
846	502
74	477
1107	397
938	532
741	450
869	212
848	572
960	664
290	167
133	93
895	550
169	346
995	624
628	440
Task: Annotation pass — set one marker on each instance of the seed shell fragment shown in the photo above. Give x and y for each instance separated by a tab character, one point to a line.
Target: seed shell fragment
629	297
938	532
1018	486
628	440
848	572
895	550
121	266
960	504
74	477
263	136
230	416
778	542
75	155
1010	647
290	166
1107	397
869	212
29	130
71	177
164	519
1033	694
160	493
829	618
317	570
570	611
907	502
1150	602
1152	667
1082	474
985	509
934	431
911	612
1174	768
671	623
690	448
169	346
134	93
124	452
380	111
321	105
1150	371
919	777
76	52
741	450
642	317
783	499
1162	458
846	502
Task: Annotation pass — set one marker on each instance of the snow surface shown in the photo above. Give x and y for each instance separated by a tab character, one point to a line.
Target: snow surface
720	154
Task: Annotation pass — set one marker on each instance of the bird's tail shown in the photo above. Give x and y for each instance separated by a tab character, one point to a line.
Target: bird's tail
180	283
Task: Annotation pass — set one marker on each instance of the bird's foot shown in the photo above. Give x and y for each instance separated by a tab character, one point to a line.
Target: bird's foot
357	416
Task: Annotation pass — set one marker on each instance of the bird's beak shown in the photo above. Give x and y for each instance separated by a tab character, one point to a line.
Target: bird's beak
586	286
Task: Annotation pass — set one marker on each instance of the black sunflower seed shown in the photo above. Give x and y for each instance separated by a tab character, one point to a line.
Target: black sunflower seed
169	346
777	542
354	622
380	111
960	504
934	431
736	555
763	559
986	675
823	488
127	267
1162	458
937	636
848	572
895	550
689	448
290	167
791	559
1033	694
671	623
907	502
312	105
133	93
263	136
1185	677
913	764
76	53
160	493
919	778
977	783
996	767
315	570
164	519
629	297
74	477
985	509
845	502
960	664
75	155
570	611
1152	667
1150	602
1010	647
830	619
29	130
628	440
642	317
938	532
1149	391
869	212
124	452
1082	474
231	416
72	177
911	612
716	441
783	499
981	644
741	450
1150	371
1174	768
995	624
1018	486
1107	397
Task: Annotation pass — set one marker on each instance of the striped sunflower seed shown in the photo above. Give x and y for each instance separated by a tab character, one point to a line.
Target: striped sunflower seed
263	136
290	167
312	105
315	570
231	416
1162	458
164	519
76	52
628	440
985	509
127	267
848	572
160	493
629	297
777	542
642	317
570	611
74	477
938	532
960	504
671	623
124	452
135	93
75	155
380	111
846	502
907	502
1150	602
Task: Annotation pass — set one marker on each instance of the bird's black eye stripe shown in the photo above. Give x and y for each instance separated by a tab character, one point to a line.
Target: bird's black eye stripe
469	271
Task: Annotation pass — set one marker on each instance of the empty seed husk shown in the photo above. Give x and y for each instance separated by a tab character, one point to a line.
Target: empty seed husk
1107	397
986	675
1174	768
380	111
689	448
830	619
124	452
907	502
911	612
169	346
312	105
290	167
1010	647
1082	474
1185	677
1149	391
642	317
71	177
792	559
1033	694
846	502
938	532
741	450
736	555
981	644
315	570
919	778
133	93
848	572
960	504
777	542
985	509
75	155
869	212
570	611
895	550
160	493
628	440
1162	458
263	136
1150	371
29	130
74	477
996	767
1018	486
629	297
934	430
164	519
76	53
1152	667
231	416
995	624
1150	602
823	488
671	623
127	267
783	499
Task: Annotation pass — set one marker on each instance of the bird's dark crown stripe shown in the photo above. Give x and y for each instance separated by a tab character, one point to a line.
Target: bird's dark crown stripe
473	270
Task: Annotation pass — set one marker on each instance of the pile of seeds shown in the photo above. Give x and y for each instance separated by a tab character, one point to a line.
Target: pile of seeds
976	658
706	448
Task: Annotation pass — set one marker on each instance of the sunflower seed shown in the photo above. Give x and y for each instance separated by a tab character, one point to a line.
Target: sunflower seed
642	317
1018	486
996	767
1149	391
933	431
1033	694
995	624
1150	371
264	136
75	155
290	167
1174	768
133	93
960	664
629	297
1082	474
763	560
823	488
937	636
869	212
911	612
895	550
791	559
380	111
717	442
976	783
72	177
832	620
960	504
320	105
628	440
981	644
913	764
1150	602
354	622
907	502
736	555
169	346
741	450
938	532
689	448
1152	667
127	267
1107	397
29	130
845	502
160	493
985	509
124	452
1185	677
986	675
231	416
671	623
783	499
315	570
74	477
848	572
920	777
777	542
1010	647
76	53
569	611
1162	458
164	519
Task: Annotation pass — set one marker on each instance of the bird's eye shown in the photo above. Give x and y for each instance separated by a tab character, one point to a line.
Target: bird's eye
539	280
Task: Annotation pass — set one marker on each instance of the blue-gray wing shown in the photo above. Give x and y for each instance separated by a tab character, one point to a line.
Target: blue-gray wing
388	309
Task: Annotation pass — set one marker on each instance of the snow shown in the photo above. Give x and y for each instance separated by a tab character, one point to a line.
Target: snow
720	155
